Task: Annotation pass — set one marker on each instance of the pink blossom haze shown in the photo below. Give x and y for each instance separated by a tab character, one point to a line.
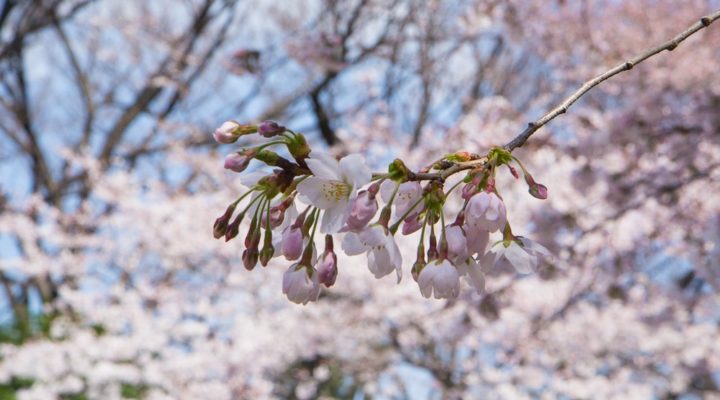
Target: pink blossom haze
221	199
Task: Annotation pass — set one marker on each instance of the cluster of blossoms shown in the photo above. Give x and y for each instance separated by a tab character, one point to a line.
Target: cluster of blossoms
310	192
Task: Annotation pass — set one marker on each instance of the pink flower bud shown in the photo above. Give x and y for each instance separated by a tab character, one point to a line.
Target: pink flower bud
238	161
490	187
266	254
469	190
362	209
514	172
234	228
270	129
250	258
539	191
277	213
412	223
327	268
225	134
220	226
535	189
292	243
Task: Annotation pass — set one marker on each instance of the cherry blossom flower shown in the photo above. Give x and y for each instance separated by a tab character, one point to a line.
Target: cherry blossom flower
522	253
477	240
407	195
472	271
485	211
412	223
327	268
382	251
457	243
439	278
292	243
362	209
299	286
333	185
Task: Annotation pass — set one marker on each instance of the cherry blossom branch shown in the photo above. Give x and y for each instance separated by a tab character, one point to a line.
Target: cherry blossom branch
669	45
562	108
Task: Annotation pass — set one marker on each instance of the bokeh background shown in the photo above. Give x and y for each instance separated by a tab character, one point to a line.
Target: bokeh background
111	285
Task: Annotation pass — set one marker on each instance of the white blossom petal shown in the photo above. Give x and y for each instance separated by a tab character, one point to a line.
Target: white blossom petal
523	262
352	245
323	193
334	218
354	170
324	166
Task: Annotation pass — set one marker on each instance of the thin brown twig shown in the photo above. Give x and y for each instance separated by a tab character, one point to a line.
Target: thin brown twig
669	45
563	107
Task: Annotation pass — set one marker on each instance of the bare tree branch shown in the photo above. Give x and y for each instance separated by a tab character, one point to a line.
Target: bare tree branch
670	45
565	105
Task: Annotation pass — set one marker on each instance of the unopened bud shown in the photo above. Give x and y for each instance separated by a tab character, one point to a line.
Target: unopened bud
239	161
292	243
417	268
230	131
298	148
327	264
250	258
397	171
270	129
234	227
469	190
537	190
490	186
412	223
266	254
221	224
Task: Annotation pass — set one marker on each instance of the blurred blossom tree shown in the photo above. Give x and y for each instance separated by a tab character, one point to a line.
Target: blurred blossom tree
111	285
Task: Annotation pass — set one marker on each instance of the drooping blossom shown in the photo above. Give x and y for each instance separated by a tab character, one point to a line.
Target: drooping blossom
333	185
382	252
292	243
327	268
522	253
412	223
477	240
299	286
472	271
407	195
456	243
440	279
362	209
485	212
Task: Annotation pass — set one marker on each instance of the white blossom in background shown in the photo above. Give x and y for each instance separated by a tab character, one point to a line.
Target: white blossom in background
148	301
